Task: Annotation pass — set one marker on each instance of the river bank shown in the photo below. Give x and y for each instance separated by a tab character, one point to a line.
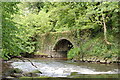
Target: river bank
89	59
98	60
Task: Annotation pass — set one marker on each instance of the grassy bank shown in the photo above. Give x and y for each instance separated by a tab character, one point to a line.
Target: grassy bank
96	49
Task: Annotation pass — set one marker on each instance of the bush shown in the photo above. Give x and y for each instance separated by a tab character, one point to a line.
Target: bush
73	52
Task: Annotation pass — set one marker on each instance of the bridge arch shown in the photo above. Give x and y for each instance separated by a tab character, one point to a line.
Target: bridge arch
62	46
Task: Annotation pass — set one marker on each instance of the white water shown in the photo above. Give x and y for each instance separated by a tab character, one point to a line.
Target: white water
59	69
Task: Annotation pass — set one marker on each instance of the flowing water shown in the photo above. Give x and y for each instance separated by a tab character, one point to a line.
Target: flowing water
63	68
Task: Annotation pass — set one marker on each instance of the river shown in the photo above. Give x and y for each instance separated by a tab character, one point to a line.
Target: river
64	68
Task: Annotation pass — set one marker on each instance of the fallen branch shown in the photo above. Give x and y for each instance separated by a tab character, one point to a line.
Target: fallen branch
23	59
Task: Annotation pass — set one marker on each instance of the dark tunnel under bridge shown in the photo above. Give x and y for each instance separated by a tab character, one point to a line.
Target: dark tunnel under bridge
62	47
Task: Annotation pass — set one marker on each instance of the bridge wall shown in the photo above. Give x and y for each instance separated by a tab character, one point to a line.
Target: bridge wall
47	42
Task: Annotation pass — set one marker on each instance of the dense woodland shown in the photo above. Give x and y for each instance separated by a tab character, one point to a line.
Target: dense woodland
22	21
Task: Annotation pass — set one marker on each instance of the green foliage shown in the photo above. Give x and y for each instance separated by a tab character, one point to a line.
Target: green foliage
101	49
73	52
16	37
8	30
95	11
22	22
96	47
58	17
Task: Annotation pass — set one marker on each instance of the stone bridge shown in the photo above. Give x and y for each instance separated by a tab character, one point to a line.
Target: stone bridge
57	44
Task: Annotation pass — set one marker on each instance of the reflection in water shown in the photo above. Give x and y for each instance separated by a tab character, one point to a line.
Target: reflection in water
63	68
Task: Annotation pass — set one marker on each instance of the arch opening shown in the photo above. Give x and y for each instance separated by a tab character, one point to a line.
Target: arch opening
62	47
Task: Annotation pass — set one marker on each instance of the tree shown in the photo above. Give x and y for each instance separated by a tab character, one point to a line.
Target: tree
102	14
17	37
22	22
9	29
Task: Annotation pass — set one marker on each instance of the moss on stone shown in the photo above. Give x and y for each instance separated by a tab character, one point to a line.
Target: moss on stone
36	71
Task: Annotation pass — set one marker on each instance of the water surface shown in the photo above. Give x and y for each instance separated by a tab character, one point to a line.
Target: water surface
64	68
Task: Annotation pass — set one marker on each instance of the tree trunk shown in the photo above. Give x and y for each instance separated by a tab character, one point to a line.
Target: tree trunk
105	30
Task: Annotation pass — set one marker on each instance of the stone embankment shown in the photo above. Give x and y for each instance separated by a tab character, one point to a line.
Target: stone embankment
98	60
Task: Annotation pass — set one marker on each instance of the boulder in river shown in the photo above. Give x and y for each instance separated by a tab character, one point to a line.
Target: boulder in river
36	71
30	74
17	70
11	71
16	75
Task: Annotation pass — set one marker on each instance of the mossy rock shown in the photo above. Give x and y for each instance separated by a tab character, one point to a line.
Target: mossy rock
14	70
29	74
17	70
16	75
33	73
36	71
73	73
